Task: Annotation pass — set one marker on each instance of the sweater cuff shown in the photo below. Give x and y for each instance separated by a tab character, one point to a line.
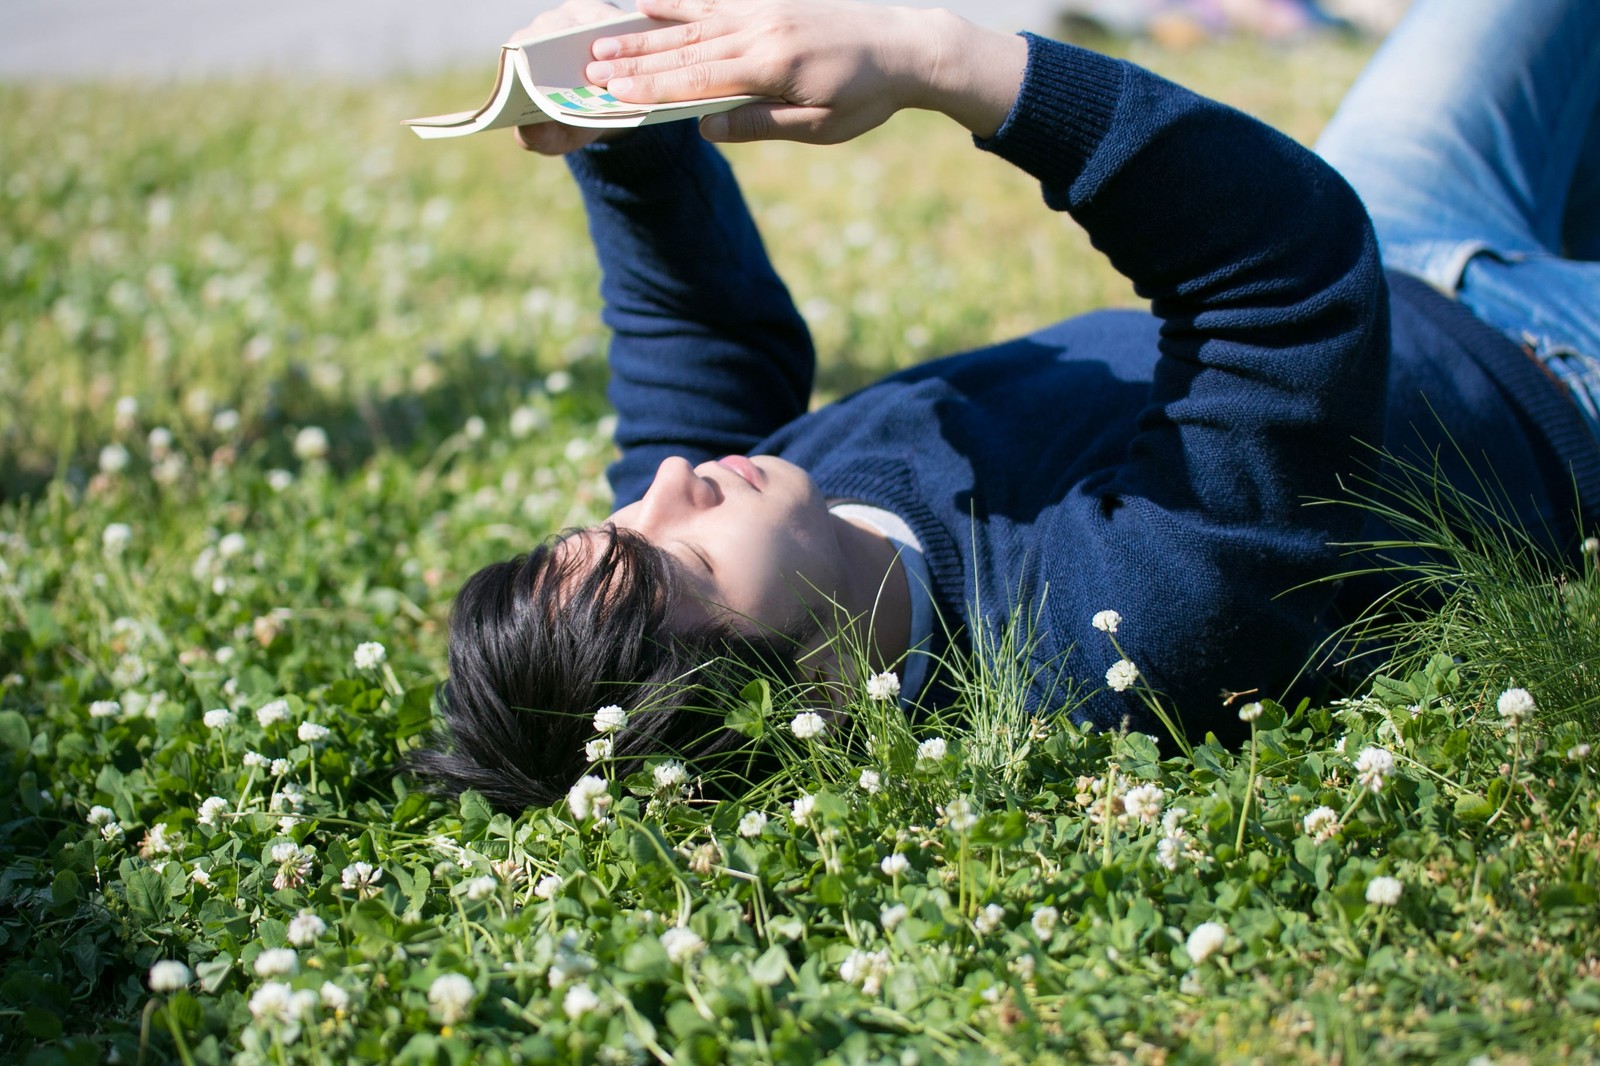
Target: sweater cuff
637	157
1066	106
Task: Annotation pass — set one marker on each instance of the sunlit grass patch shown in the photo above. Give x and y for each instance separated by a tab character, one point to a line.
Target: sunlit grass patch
275	377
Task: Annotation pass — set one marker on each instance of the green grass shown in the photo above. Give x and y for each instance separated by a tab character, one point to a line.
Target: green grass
245	261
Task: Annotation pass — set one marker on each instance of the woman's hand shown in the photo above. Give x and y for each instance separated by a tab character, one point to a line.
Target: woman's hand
839	68
557	138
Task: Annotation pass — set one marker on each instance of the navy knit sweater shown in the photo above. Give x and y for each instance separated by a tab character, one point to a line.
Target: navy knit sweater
1157	464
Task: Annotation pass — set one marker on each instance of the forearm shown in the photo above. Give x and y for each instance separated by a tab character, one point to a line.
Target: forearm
708	354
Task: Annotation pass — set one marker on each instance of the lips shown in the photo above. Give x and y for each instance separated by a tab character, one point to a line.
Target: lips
746	470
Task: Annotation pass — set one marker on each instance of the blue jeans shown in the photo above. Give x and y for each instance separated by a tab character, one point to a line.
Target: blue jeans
1473	137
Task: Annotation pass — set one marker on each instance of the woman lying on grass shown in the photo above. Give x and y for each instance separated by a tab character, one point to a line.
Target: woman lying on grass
1141	474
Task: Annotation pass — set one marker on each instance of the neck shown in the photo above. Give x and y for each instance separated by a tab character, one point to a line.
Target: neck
875	602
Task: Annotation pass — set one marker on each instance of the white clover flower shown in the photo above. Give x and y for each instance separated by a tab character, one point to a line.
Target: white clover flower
311	732
1250	712
808	725
278	767
1044	922
548	887
610	718
579	1000
450	998
889	917
111	832
114	539
256	759
871	781
99	815
232	545
113	459
933	749
294	865
1170	851
159	840
865	969
1206	940
225	421
1143	802
104	709
217	718
801	811
1578	752
311	443
524	421
361	878
582	795
333	997
370	655
480	888
169	975
669	775
990	919
959	814
210	809
269	714
273	1001
752	823
279	480
1384	891
277	962
127	411
159	440
1591	545
598	749
305	928
1122	675
1374	766
894	865
681	944
1321	824
1515	704
1106	621
883	687
129	671
200	876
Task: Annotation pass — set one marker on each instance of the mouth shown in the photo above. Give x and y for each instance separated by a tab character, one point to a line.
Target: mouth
746	470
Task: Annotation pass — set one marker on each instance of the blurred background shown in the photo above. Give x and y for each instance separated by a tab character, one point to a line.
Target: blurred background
204	38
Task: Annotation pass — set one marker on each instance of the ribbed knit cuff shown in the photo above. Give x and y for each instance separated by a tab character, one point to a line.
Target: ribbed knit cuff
1066	106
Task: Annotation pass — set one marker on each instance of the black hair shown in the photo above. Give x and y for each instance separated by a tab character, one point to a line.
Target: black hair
540	642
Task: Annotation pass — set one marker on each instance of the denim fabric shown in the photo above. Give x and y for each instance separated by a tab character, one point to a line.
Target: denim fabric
1473	137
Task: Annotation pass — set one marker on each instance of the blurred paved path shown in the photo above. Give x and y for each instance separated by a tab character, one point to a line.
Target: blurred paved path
164	39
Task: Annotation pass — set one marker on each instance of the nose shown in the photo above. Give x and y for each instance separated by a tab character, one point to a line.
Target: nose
675	492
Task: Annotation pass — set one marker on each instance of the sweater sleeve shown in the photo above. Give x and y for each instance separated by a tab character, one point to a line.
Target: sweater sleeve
1260	264
708	353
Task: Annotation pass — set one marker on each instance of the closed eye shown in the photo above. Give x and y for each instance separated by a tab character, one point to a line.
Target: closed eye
699	553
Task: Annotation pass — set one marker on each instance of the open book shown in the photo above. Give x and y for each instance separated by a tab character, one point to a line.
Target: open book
541	80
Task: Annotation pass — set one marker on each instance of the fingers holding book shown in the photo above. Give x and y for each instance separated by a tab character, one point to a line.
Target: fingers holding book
554	138
831	69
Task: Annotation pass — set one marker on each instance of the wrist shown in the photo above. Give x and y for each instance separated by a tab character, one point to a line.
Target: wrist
966	72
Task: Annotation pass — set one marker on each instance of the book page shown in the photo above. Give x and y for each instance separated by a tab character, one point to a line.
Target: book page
541	79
